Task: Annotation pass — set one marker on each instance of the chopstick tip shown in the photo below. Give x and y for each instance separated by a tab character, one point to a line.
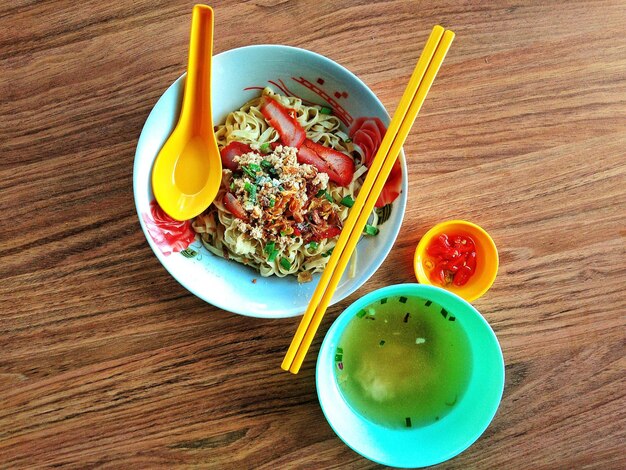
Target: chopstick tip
449	33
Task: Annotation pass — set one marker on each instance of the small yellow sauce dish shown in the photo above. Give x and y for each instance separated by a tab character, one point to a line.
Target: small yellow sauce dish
486	259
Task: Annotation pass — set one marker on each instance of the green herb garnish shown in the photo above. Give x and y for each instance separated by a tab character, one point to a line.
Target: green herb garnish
271	250
371	230
254	167
326	194
283	233
272	202
232	185
347	201
313	245
285	263
251	189
328	253
269	168
326	110
265	148
248	171
189	253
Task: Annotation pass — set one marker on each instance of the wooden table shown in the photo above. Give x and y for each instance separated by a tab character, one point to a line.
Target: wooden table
107	361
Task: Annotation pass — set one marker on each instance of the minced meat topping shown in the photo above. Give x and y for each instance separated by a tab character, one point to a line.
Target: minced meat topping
282	198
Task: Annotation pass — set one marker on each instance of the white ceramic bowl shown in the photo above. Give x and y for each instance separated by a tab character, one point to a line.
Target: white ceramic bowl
238	76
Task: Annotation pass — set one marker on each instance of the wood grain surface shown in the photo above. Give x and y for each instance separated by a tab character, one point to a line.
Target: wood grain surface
106	361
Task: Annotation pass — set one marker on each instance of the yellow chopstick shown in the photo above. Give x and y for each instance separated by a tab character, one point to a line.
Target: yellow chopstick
394	126
381	179
389	149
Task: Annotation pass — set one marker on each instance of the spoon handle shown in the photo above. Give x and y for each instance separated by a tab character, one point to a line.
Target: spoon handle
196	109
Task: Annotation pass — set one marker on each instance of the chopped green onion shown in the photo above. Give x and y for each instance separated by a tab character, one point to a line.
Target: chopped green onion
339	350
324	193
328	253
269	168
314	245
326	110
232	185
272	202
265	148
254	167
347	201
251	189
248	171
361	313
269	247
285	263
283	233
371	230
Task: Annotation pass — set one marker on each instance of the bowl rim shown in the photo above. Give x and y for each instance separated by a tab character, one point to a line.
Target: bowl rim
493	266
290	311
339	325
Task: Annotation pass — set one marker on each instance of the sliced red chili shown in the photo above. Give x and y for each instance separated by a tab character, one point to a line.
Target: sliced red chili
453	257
449	266
438	275
462	276
471	261
439	246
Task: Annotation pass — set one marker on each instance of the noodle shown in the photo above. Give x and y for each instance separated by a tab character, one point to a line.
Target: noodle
253	240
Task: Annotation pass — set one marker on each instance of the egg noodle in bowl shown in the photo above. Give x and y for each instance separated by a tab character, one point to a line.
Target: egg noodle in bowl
290	177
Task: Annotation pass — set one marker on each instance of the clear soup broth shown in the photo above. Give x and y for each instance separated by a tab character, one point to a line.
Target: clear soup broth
403	362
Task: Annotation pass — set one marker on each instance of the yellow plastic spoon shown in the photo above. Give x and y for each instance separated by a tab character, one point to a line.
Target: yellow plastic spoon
187	172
